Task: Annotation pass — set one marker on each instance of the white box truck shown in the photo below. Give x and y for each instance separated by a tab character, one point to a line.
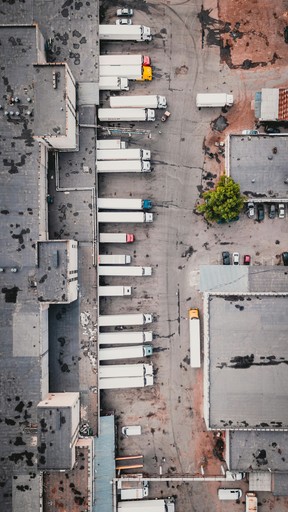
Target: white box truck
124	154
125	33
130	72
114	166
113	203
125	370
114	259
194	335
118	238
114	291
214	100
111	144
127	217
113	83
132	319
143	101
124	271
126	382
124	60
251	502
132	352
125	338
126	114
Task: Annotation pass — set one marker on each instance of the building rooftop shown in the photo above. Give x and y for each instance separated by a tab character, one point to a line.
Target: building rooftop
50	100
246	355
258	164
242	278
258	450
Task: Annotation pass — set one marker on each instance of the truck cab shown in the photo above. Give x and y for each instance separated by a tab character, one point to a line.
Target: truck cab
147	204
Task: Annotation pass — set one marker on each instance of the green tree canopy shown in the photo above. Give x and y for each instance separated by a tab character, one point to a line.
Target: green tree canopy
224	203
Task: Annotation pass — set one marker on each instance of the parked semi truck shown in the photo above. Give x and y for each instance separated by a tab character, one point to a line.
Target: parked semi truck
125	370
166	505
110	144
124	271
125	33
214	100
124	154
132	319
118	238
114	259
124	60
133	490
140	73
194	334
132	352
127	217
126	114
125	338
111	203
114	291
113	166
126	382
143	101
113	83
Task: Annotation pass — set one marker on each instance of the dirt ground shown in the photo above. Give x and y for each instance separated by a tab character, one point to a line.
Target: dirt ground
250	34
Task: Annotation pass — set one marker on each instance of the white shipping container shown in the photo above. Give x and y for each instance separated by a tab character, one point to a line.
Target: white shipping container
125	32
214	100
126	114
124	154
125	370
111	203
124	271
114	291
113	166
120	59
107	238
126	382
158	505
141	101
134	351
132	319
113	83
125	338
114	259
131	72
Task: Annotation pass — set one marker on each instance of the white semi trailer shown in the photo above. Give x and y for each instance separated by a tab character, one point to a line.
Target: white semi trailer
114	291
124	154
130	319
126	114
214	100
114	166
166	505
126	382
130	72
132	352
113	270
124	60
113	203
110	144
114	259
125	370
143	101
124	33
118	238
125	338
127	217
113	83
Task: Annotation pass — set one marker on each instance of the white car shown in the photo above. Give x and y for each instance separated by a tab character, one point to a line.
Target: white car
250	132
123	21
250	210
281	211
234	475
126	11
235	258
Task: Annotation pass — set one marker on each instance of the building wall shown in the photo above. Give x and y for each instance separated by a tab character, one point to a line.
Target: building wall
72	270
43	191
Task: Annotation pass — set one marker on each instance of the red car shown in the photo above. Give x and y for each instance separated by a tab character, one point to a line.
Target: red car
247	259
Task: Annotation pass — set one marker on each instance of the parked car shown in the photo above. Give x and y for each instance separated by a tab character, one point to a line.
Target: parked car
271	129
261	213
281	211
126	11
250	132
247	259
235	258
250	210
226	258
123	21
234	475
285	258
272	211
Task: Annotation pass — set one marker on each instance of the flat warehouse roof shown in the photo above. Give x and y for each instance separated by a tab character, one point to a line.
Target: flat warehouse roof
259	164
246	372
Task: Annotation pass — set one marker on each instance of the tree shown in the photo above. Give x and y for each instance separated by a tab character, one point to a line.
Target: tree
224	203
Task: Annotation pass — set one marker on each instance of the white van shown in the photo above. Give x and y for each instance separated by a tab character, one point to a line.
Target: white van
229	494
131	431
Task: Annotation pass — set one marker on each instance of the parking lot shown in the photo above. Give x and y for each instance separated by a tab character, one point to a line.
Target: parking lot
176	244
